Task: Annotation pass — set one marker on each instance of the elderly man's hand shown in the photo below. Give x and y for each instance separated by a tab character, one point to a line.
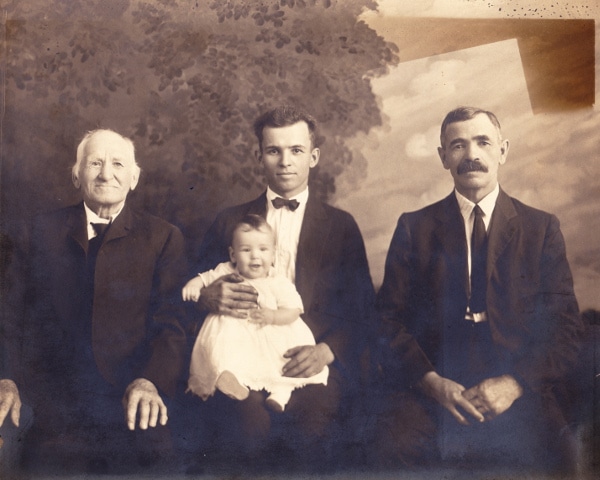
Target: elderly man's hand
9	401
307	360
449	394
494	396
228	296
142	396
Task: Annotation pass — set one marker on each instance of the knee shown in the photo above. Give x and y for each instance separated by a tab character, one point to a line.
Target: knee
404	434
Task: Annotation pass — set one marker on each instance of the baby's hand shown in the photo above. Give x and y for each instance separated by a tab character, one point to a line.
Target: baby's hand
261	316
191	291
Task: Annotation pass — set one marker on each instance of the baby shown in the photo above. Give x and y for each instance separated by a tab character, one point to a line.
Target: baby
234	355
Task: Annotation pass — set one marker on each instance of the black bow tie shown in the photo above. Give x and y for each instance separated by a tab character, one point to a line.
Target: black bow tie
283	202
100	228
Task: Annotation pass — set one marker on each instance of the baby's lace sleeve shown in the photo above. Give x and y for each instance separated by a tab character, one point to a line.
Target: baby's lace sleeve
221	269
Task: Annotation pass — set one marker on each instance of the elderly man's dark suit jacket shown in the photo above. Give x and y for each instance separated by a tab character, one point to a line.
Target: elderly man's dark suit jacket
531	306
332	274
128	327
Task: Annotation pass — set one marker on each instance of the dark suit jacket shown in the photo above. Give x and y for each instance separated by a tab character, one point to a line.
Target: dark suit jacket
10	312
531	306
131	321
332	274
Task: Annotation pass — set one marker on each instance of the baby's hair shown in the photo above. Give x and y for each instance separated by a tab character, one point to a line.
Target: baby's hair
252	222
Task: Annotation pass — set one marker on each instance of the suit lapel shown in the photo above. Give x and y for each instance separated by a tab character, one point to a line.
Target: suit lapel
313	238
258	206
77	226
121	226
450	239
502	227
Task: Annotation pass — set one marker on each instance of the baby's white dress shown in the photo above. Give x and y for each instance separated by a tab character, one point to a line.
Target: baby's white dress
252	352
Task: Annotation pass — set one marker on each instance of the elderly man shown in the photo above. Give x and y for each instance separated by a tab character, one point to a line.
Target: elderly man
104	327
478	302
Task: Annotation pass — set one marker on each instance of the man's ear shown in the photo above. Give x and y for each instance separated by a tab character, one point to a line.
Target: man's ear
442	154
315	154
135	177
258	155
231	255
504	150
76	181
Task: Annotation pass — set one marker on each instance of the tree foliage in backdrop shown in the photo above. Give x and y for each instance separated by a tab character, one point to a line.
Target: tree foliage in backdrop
185	80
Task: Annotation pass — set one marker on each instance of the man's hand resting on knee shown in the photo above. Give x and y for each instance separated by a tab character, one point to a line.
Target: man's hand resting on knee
494	396
142	400
449	394
307	360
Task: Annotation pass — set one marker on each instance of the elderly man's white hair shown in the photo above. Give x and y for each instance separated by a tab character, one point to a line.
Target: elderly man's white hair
87	137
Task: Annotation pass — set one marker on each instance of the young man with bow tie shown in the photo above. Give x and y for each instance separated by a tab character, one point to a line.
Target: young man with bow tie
321	250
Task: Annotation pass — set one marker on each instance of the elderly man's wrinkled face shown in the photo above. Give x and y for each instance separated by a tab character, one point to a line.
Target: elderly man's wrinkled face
107	172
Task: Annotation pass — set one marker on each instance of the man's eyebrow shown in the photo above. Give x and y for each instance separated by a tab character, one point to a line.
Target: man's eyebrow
457	140
482	137
279	147
462	140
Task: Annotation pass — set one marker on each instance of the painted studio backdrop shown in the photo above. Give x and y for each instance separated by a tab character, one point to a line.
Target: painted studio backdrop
186	79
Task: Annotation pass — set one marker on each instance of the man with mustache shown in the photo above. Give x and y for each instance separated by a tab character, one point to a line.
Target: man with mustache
478	308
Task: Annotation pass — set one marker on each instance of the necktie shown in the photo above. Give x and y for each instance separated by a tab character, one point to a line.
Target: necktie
84	349
94	245
279	202
478	263
100	228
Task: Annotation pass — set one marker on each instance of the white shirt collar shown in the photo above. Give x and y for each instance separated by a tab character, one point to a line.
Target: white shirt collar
302	197
487	204
287	225
91	217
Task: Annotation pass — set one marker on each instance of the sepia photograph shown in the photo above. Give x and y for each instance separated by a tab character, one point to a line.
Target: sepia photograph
299	239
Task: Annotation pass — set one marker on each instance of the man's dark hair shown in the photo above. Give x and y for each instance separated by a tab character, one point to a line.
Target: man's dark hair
284	116
462	114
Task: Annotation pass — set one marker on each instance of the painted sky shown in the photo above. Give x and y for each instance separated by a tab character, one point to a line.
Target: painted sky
553	161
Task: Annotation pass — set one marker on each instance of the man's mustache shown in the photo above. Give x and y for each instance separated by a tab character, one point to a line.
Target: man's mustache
471	166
